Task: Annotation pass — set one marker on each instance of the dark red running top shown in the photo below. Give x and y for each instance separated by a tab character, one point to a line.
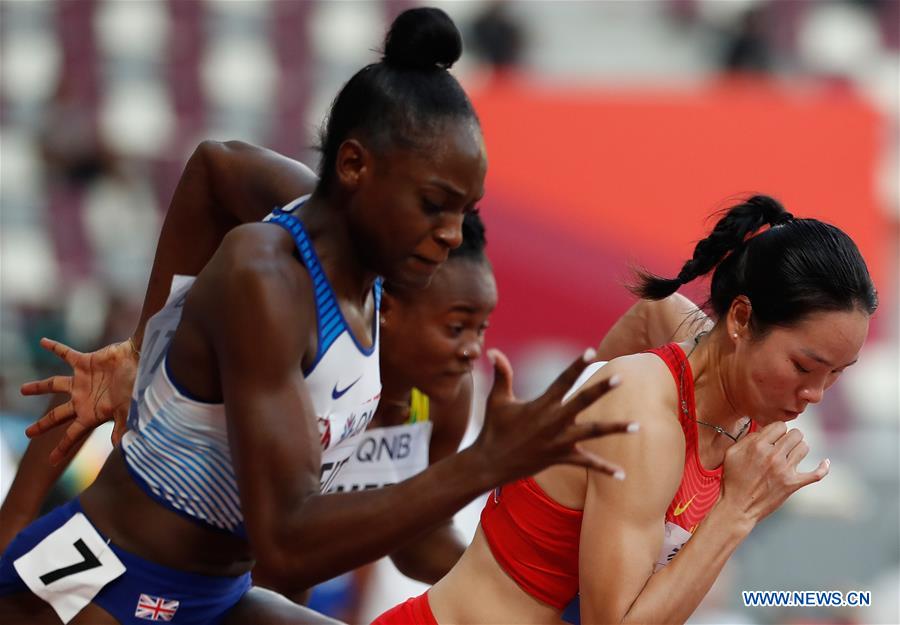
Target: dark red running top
535	539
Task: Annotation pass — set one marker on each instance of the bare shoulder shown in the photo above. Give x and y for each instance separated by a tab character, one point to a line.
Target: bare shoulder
256	250
254	286
646	386
647	395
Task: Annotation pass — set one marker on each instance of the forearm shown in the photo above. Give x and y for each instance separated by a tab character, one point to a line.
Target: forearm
374	523
429	558
34	478
672	594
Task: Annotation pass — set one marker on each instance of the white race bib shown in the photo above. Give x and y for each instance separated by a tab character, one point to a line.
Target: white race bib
673	541
158	334
69	567
385	456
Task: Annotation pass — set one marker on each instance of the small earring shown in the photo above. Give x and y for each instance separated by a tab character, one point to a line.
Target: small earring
734	335
381	319
465	353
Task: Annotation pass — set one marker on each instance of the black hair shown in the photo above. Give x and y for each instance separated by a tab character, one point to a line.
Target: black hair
794	268
473	239
406	95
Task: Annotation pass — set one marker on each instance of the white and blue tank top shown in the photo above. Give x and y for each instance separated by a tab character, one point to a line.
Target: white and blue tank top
176	447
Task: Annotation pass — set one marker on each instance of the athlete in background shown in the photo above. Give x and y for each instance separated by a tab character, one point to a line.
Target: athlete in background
792	299
403	162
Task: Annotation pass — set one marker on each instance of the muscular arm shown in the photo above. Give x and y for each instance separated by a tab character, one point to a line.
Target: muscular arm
292	527
649	324
673	593
223	185
623	523
34	479
430	557
257	314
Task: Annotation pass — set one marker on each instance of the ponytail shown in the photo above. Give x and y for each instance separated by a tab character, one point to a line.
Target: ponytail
793	268
729	236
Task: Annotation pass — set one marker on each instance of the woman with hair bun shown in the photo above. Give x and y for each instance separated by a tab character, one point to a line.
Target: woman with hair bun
791	300
257	376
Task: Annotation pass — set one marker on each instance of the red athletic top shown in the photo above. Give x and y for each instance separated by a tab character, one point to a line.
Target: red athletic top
415	611
535	539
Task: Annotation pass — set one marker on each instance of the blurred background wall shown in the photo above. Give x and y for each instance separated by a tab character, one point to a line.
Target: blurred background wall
614	129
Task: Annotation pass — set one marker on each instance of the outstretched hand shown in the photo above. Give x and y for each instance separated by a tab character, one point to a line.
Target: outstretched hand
521	438
99	390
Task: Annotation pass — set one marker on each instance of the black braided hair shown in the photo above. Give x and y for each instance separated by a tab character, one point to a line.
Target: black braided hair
796	267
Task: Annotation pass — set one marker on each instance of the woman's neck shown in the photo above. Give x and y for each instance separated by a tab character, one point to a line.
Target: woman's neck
712	364
393	406
327	227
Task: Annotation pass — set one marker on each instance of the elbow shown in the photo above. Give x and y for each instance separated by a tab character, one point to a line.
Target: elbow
406	565
210	155
214	156
207	150
281	559
272	569
420	563
290	565
275	570
212	148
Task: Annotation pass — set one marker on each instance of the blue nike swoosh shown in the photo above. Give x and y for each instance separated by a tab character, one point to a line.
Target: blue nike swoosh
336	394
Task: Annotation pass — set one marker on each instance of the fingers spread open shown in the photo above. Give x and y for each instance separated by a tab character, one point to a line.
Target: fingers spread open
589	395
55	384
54	417
61	349
568	377
503	375
595	429
583	458
76	433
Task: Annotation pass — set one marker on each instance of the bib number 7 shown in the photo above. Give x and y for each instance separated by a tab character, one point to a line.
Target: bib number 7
90	562
69	567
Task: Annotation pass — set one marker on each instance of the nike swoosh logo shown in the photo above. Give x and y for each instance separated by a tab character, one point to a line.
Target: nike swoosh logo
680	508
336	394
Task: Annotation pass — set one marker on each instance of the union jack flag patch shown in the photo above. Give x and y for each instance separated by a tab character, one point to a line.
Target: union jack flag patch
152	608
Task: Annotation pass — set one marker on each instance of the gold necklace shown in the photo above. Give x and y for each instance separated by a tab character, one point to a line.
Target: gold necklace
684	406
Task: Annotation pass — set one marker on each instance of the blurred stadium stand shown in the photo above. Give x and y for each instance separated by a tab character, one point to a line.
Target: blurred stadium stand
613	129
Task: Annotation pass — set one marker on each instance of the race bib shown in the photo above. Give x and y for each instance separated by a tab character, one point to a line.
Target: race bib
674	540
385	456
69	567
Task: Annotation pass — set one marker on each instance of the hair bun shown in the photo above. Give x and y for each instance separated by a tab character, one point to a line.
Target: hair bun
422	38
771	210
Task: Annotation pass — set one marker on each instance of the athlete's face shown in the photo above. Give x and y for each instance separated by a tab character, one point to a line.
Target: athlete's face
432	337
407	207
790	368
